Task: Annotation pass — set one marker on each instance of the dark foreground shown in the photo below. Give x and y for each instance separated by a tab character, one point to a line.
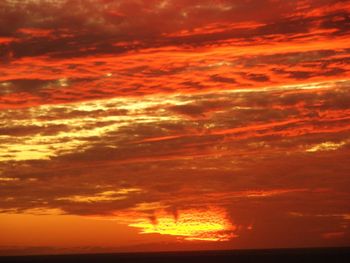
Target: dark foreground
333	255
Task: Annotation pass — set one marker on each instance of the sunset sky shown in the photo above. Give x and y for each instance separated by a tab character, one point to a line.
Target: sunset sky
148	125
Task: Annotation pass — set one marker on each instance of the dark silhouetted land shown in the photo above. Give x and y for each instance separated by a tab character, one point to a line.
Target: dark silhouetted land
333	255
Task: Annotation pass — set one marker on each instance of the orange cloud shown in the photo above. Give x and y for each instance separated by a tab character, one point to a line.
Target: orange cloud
187	120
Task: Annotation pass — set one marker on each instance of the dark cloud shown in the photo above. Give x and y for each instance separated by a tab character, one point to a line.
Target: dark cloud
257	77
32	130
217	78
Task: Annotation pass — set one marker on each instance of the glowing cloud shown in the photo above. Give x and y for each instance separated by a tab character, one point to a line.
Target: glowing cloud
193	224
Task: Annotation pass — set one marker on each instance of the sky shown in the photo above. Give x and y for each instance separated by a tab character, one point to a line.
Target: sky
154	125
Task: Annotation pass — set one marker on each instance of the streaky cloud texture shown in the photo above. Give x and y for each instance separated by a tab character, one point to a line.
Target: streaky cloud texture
215	123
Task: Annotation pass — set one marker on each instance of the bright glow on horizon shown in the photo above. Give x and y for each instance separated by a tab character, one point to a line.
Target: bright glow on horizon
192	224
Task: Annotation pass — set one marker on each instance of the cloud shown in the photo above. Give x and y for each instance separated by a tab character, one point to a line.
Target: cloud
156	110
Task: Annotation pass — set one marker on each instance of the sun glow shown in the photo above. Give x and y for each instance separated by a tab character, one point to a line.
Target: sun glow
192	224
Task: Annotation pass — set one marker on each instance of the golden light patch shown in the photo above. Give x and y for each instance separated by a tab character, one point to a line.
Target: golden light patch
8	179
100	197
271	192
192	224
326	146
41	146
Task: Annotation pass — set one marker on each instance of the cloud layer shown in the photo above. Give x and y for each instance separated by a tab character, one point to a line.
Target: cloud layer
146	111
